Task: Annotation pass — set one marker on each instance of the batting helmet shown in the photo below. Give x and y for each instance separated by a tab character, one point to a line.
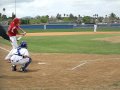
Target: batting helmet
23	44
16	21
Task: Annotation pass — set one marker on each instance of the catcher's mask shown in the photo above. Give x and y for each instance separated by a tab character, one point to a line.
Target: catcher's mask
23	44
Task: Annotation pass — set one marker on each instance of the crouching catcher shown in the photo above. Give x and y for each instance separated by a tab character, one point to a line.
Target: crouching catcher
20	56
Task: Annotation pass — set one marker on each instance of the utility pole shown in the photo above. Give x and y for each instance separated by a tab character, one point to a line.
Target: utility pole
15	8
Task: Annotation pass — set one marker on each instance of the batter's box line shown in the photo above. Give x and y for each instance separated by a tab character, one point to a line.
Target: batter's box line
80	65
4	49
86	61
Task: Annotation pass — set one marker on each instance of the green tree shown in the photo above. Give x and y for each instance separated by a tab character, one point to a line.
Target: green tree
86	19
24	21
4	9
100	19
66	19
64	14
59	16
71	16
112	17
44	19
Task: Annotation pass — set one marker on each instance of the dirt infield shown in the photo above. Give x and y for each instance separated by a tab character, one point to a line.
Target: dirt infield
59	71
67	33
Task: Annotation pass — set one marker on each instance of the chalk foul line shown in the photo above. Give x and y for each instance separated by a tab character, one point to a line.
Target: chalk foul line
4	49
79	65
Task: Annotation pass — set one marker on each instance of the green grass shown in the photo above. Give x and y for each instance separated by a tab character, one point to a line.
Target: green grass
84	44
72	44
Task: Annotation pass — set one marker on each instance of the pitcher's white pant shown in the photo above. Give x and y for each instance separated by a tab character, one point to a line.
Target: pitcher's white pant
14	46
95	28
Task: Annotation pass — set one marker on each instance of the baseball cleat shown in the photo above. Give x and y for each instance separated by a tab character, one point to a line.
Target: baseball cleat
23	70
14	68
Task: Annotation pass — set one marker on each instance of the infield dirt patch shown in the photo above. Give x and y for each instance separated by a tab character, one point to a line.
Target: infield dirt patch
67	33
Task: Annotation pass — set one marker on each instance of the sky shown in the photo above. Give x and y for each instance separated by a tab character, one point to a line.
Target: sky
53	7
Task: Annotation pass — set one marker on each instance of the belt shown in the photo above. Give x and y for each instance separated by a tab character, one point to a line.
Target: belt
19	55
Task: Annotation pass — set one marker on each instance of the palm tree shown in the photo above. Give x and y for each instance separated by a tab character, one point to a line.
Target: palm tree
112	17
64	15
3	9
79	16
3	16
95	16
106	20
67	15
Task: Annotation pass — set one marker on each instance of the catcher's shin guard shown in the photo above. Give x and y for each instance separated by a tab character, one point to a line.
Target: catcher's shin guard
23	68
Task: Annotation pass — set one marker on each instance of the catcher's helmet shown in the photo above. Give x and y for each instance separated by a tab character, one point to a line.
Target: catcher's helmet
23	44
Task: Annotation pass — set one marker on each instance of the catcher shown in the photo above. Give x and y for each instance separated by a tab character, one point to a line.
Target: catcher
20	56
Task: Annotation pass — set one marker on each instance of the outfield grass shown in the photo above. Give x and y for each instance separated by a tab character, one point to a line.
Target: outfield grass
84	44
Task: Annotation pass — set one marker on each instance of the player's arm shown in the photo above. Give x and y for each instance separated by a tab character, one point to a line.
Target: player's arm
18	33
26	54
22	30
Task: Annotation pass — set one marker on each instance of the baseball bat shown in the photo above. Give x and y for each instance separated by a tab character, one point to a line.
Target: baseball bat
21	36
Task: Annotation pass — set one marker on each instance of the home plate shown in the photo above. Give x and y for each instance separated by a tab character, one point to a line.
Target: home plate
41	63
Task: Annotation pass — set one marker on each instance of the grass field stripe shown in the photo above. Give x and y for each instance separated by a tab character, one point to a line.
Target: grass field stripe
79	65
4	49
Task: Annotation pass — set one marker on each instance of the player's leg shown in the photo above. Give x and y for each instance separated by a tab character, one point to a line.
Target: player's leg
14	42
14	61
9	55
14	67
25	63
95	28
14	45
17	61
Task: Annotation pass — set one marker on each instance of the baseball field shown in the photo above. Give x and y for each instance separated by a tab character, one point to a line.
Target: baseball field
75	60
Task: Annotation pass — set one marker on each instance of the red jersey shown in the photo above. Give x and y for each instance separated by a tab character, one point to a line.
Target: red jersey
12	29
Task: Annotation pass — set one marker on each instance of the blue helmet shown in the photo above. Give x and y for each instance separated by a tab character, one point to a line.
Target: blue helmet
23	44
